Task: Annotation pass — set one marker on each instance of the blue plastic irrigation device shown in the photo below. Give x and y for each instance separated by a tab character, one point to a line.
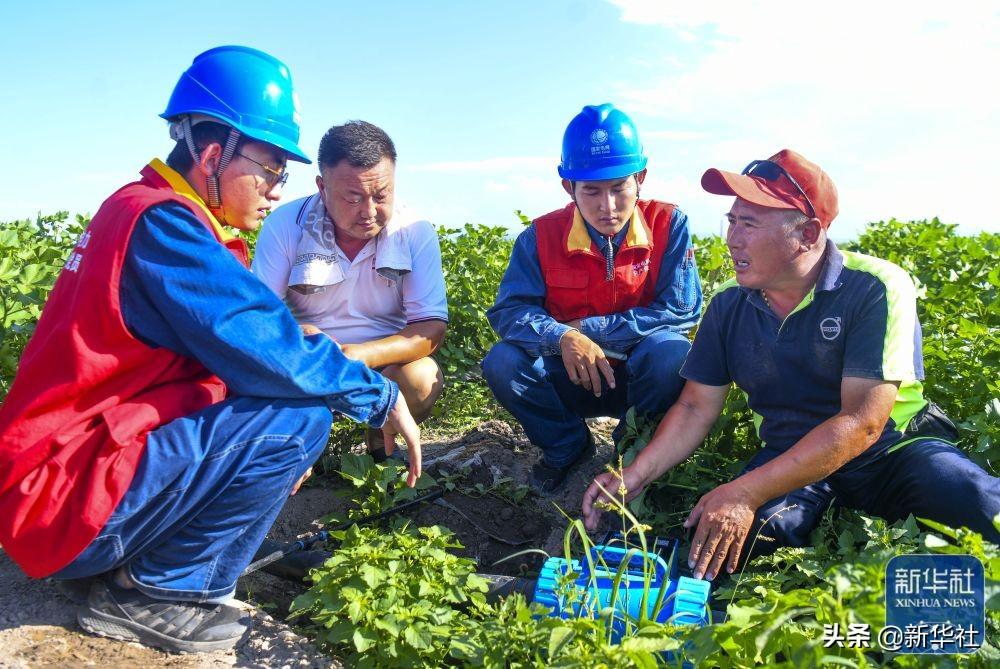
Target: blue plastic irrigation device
684	601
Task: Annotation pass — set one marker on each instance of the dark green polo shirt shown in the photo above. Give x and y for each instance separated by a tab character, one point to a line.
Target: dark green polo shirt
859	320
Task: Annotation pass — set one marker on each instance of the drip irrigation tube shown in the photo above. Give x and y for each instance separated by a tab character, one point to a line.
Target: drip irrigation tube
270	552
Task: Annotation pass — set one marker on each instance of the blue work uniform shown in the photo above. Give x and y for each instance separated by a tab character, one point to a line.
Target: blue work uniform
210	484
859	321
525	370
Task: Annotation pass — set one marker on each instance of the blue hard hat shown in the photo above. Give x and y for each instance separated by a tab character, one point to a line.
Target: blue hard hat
246	89
601	142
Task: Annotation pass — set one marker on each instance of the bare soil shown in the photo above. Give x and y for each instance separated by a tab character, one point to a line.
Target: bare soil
491	453
38	626
38	629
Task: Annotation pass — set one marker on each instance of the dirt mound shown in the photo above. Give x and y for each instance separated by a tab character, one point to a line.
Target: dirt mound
498	506
491	508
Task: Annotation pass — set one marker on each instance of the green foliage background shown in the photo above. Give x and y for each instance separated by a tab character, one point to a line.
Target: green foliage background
958	280
31	255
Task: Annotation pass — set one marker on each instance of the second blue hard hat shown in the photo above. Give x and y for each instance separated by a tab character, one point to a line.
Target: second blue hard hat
245	88
601	142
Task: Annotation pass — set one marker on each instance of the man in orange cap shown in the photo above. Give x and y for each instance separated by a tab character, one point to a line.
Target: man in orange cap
827	347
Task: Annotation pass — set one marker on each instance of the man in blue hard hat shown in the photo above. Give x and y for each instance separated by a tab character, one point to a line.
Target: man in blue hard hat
596	302
168	403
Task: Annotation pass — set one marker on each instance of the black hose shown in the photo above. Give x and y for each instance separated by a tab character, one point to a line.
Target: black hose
270	552
504	586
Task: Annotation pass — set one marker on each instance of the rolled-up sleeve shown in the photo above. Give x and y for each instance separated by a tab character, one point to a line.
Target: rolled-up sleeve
424	297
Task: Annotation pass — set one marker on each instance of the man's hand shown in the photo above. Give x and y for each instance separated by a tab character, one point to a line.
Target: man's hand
605	489
399	421
585	362
309	329
724	518
412	343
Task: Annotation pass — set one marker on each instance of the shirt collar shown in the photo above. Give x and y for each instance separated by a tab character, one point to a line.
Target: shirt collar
601	240
833	266
635	232
179	185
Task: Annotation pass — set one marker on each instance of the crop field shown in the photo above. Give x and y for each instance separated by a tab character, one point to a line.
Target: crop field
408	592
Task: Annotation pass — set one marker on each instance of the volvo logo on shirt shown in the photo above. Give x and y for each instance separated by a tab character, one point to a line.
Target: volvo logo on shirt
830	328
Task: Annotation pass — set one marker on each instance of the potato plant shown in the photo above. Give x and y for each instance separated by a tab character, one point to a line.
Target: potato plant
958	282
399	598
391	599
31	255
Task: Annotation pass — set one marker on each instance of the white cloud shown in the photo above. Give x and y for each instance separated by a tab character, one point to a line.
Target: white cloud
497	187
892	99
807	62
674	135
483	191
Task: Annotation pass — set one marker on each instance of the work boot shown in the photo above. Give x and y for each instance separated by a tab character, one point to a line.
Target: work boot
547	479
179	627
375	444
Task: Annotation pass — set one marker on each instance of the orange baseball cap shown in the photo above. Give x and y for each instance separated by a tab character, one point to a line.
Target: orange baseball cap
786	180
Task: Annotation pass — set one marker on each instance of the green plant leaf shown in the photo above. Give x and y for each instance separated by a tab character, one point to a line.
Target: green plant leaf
559	637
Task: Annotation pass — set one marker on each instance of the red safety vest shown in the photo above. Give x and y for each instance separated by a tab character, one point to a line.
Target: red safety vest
73	427
575	270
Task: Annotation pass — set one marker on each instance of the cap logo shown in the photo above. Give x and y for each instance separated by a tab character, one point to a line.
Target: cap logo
830	328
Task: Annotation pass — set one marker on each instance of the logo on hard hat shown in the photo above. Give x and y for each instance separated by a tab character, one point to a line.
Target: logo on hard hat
830	328
599	136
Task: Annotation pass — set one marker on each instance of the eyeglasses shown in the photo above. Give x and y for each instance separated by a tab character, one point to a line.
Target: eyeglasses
272	177
770	171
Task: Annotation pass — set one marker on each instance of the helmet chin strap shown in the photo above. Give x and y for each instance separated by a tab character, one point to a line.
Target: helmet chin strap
212	180
183	129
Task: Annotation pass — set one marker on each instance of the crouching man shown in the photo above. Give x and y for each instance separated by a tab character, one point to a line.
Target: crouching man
827	346
168	403
351	266
593	309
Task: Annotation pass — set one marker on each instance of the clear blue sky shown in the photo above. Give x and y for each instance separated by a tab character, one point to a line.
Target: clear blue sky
895	100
